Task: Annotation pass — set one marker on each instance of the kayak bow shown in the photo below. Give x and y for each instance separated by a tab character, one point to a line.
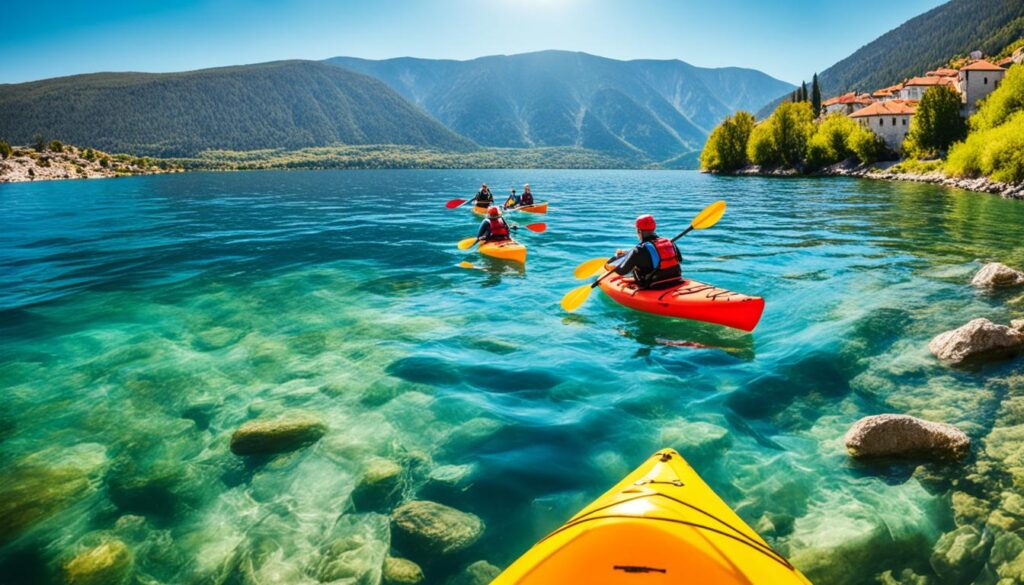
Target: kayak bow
661	524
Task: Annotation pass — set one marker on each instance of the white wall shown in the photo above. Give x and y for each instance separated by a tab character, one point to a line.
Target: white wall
891	129
976	85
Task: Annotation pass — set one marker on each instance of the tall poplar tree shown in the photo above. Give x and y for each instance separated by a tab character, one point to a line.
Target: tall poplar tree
815	95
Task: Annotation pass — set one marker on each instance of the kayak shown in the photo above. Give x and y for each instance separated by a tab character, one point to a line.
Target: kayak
506	250
661	524
480	210
535	208
689	300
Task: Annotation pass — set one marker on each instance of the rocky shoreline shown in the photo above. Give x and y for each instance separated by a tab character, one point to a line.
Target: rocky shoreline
59	161
885	171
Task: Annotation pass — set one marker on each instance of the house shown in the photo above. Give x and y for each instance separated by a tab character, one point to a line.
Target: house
914	88
889	120
978	79
943	72
847	103
888	93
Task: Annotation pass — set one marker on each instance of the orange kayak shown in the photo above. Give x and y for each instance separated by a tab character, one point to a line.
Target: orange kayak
689	300
660	525
535	208
505	250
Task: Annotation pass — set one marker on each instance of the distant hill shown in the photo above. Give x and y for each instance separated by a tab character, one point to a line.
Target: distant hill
645	109
285	104
923	43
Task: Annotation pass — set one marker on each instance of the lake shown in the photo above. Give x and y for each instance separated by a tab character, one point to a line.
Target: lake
144	319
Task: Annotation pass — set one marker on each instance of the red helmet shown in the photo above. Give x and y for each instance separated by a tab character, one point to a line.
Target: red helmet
645	223
493	212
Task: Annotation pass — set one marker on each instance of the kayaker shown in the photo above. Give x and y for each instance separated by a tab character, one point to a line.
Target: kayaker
512	202
527	197
484	197
655	262
494	228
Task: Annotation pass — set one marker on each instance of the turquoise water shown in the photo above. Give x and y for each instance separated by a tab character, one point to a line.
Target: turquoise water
143	320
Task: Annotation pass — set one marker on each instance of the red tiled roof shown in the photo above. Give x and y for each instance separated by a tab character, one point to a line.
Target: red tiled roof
848	98
943	72
929	81
1005	62
981	65
889	108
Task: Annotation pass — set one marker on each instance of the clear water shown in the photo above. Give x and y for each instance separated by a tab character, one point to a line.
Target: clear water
143	320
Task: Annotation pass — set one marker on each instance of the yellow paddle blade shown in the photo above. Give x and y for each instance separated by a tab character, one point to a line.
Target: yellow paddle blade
467	243
589	268
710	216
574	298
465	264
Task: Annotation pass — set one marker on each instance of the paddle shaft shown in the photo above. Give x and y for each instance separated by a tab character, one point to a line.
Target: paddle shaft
610	272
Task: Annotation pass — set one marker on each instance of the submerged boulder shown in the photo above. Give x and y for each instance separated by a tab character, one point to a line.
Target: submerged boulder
997	275
428	528
978	338
108	563
380	486
959	555
280	435
355	551
696	439
401	572
478	573
900	435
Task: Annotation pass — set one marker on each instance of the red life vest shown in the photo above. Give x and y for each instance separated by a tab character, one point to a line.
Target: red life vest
666	254
498	227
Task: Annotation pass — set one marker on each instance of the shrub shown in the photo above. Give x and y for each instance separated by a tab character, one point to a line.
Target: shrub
995	152
866	145
5	149
57	146
104	162
830	142
38	142
937	123
726	148
760	150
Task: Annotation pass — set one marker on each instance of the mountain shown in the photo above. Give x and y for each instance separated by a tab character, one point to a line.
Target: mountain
646	109
284	104
924	43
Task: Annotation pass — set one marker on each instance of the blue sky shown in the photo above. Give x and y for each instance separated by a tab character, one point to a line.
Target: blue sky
789	39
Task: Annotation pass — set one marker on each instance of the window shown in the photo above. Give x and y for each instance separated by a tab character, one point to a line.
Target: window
881	121
904	121
894	121
984	80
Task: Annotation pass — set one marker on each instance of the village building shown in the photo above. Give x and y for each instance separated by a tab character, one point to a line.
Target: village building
889	120
914	88
847	103
978	79
888	93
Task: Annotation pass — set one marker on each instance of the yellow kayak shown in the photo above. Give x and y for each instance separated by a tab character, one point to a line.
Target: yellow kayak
661	524
506	250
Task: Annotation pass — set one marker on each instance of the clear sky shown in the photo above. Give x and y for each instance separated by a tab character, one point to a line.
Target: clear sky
789	39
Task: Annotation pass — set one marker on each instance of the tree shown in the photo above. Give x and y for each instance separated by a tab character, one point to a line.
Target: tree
815	95
726	148
781	140
38	142
5	149
803	91
1002	103
937	123
866	145
57	146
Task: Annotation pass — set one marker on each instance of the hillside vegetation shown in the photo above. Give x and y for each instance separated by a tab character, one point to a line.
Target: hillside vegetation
286	104
654	111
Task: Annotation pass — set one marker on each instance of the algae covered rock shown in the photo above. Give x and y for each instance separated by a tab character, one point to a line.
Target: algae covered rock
428	528
449	481
900	435
279	435
401	572
959	555
977	339
997	275
356	550
108	563
380	486
478	573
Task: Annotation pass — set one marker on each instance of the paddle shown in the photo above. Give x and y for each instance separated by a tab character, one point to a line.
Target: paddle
465	264
539	228
705	219
456	203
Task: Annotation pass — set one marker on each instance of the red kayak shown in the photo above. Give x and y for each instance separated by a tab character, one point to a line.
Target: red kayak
689	300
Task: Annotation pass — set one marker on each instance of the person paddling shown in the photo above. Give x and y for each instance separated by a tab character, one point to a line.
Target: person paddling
655	262
526	198
494	228
484	198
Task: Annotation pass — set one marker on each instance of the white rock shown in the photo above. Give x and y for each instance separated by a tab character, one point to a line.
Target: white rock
980	337
997	275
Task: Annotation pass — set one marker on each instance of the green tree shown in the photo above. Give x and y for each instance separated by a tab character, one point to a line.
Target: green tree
5	149
726	148
1001	104
781	140
866	145
38	142
815	95
937	123
830	142
57	146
